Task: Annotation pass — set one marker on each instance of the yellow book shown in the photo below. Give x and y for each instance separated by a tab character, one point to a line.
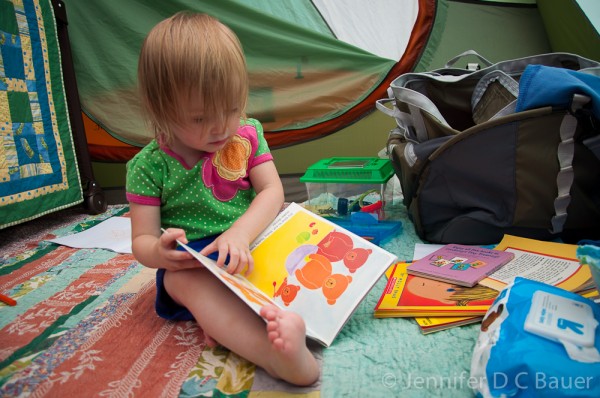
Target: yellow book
548	262
415	296
435	324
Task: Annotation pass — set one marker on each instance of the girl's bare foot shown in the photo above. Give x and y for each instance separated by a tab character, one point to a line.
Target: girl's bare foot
287	334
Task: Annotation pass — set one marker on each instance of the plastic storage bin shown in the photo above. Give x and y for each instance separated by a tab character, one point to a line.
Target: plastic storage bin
340	186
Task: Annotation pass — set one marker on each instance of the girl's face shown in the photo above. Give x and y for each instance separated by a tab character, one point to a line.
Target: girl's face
202	132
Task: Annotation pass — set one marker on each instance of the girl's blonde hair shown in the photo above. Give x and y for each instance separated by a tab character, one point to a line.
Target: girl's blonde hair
187	56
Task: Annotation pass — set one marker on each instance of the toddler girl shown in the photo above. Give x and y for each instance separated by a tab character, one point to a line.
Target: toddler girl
208	178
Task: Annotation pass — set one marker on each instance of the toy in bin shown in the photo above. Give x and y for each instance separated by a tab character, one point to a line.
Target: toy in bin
369	228
340	186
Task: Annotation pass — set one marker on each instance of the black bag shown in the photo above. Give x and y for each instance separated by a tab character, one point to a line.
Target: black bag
472	169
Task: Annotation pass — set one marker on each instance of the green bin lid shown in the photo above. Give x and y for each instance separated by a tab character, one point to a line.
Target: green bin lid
353	170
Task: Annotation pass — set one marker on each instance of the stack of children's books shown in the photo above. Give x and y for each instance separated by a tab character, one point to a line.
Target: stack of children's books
456	284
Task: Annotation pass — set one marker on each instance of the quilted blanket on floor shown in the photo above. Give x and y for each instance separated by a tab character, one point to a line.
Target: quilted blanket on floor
84	325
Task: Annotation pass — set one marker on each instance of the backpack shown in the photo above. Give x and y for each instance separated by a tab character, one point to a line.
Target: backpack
510	148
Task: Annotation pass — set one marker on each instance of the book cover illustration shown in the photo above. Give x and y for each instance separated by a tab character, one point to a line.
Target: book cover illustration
307	264
460	264
408	295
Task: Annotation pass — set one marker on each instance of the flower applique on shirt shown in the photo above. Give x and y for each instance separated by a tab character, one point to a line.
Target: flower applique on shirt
226	171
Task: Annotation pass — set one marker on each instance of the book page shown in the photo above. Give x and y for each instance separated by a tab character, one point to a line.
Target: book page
548	262
311	266
237	283
113	234
550	270
307	264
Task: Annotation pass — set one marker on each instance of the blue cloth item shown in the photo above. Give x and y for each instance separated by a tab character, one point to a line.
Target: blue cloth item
589	242
549	86
588	252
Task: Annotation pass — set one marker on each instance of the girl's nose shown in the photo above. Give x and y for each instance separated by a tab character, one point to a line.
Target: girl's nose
218	130
213	129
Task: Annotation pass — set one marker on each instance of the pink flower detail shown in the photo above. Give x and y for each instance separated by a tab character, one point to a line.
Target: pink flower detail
226	171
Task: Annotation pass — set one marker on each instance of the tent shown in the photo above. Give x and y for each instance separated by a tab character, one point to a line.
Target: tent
316	67
305	81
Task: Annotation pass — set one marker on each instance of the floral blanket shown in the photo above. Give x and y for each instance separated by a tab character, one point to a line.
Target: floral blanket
84	325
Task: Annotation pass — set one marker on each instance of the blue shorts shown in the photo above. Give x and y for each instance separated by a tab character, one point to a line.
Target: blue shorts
165	306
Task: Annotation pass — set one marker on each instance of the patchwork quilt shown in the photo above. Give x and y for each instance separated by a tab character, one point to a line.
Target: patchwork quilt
38	165
85	325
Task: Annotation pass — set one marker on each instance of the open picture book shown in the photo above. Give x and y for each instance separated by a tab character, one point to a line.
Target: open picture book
309	265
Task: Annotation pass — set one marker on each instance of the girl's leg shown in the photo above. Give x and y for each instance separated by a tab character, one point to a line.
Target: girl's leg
278	346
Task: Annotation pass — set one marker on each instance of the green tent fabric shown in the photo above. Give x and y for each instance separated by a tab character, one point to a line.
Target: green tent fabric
317	66
301	75
573	26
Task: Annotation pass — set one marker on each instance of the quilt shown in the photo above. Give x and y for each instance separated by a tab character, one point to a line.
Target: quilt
85	325
38	164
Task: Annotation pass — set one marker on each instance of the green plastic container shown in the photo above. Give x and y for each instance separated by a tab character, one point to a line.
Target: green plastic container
339	186
349	171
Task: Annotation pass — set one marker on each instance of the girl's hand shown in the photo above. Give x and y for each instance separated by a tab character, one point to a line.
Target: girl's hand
172	258
235	243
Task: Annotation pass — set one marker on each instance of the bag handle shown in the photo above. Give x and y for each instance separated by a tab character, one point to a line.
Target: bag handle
411	123
454	60
381	104
403	120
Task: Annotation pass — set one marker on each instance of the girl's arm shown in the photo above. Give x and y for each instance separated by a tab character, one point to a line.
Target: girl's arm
153	248
263	209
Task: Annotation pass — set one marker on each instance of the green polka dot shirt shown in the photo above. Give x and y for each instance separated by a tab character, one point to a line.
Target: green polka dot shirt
203	199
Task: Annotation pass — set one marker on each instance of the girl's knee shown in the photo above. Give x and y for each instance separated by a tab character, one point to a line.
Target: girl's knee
177	282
